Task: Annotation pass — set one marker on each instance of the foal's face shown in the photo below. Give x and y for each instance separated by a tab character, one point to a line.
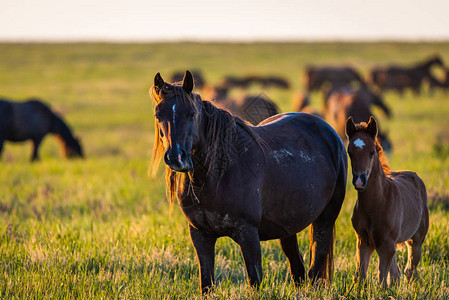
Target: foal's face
177	124
362	151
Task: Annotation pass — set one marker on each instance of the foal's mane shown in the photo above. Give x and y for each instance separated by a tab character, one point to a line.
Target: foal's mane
380	151
220	128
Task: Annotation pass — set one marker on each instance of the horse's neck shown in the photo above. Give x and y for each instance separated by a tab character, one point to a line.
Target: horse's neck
61	129
377	182
208	172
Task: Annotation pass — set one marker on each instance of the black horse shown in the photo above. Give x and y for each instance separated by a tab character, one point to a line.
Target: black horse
32	120
249	183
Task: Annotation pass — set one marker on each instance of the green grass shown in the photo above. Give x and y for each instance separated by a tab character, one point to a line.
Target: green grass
100	228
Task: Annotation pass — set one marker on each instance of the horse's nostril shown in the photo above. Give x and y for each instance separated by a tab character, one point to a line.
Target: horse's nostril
183	154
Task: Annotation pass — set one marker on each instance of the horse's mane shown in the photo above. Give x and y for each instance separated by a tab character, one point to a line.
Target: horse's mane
220	129
380	151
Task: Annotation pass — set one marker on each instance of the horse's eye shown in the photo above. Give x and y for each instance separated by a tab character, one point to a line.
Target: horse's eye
161	133
371	154
192	116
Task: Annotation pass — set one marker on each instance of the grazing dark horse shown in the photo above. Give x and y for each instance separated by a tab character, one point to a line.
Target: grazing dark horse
336	77
246	81
342	104
399	78
274	81
391	207
253	109
32	120
249	183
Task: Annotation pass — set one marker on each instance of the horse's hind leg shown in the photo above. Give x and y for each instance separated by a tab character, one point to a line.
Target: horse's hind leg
290	248
36	144
414	247
322	235
414	256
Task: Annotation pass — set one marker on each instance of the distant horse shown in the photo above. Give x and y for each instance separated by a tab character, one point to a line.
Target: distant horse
391	207
399	78
264	81
238	82
274	81
200	82
32	120
253	109
336	77
342	104
249	183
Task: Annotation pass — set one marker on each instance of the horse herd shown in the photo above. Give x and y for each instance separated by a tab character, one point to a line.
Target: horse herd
271	181
239	168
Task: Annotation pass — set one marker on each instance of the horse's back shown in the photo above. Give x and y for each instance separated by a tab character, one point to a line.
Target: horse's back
29	120
411	182
287	127
409	200
5	118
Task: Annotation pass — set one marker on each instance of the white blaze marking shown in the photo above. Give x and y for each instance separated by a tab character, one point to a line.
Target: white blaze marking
174	113
359	143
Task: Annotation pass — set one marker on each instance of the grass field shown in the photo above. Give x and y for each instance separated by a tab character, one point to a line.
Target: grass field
100	228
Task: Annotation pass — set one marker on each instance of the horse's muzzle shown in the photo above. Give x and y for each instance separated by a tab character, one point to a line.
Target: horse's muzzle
178	161
359	182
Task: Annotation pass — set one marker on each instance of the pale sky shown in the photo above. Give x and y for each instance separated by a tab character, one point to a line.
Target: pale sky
140	20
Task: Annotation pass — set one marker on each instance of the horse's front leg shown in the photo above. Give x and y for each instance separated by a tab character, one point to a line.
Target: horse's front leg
386	255
36	143
364	252
247	236
204	244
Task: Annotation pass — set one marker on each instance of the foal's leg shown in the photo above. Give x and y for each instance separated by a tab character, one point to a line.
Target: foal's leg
364	252
414	256
386	253
290	248
395	274
36	144
204	244
414	247
248	239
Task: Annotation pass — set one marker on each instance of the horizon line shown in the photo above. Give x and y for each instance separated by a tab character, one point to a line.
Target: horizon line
222	40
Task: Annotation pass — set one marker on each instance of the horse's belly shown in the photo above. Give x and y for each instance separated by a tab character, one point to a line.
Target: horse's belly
297	189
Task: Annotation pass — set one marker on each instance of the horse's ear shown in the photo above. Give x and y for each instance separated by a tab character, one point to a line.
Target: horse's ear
187	82
350	127
158	82
372	127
